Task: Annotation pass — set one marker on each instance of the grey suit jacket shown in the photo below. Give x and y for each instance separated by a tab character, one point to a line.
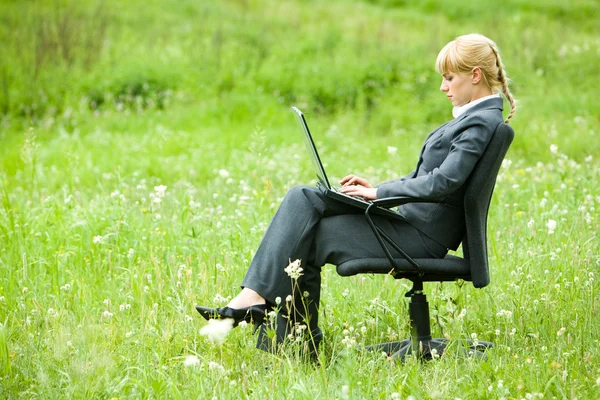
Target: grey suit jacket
447	158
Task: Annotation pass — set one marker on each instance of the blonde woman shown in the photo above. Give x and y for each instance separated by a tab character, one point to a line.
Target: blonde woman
318	230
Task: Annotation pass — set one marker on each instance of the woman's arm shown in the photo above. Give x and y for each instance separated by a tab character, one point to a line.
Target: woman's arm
466	148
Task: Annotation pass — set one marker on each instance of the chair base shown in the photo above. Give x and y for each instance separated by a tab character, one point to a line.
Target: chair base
433	348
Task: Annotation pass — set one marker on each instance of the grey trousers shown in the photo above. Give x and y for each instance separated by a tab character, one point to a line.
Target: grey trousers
319	230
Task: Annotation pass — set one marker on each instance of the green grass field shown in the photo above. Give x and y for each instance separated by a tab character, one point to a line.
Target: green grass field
146	145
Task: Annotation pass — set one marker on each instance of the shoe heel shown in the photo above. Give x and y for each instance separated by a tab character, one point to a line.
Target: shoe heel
257	325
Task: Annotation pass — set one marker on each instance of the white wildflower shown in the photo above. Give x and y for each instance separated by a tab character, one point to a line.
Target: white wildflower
294	270
551	226
217	329
218	299
160	190
553	148
98	239
278	300
288	298
345	391
392	150
223	173
191	361
561	331
215	366
504	313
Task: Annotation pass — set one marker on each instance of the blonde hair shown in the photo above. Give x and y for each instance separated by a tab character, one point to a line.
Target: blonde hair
474	50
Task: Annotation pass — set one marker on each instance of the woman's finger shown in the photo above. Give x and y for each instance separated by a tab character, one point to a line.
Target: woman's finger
346	179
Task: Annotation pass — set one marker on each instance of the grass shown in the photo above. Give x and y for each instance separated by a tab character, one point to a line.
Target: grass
101	268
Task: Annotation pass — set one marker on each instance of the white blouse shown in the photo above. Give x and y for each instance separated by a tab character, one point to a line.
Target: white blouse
459	110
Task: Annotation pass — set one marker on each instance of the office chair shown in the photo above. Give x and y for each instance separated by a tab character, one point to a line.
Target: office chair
473	266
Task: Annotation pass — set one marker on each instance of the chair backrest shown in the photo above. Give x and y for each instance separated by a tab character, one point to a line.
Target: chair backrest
478	195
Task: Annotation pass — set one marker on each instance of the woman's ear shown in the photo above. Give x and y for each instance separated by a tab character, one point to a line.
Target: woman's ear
476	75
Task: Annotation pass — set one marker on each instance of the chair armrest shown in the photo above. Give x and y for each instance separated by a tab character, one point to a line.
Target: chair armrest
388	202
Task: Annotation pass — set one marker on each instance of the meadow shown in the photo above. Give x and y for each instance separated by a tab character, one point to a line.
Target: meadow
146	145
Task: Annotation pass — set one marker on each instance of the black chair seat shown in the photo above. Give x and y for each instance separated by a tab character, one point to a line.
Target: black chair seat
450	267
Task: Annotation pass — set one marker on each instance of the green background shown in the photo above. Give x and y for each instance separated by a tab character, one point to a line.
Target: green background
101	102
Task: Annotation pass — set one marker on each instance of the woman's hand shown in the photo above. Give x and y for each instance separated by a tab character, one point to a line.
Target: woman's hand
351	180
356	186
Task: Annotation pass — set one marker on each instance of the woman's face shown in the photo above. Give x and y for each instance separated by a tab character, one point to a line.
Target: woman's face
458	87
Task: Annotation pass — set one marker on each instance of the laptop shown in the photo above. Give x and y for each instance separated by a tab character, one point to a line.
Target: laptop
323	182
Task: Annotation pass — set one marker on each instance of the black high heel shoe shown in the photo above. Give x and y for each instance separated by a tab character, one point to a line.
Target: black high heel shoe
208	313
253	314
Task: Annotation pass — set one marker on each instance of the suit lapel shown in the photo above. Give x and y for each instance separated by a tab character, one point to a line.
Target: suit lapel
491	104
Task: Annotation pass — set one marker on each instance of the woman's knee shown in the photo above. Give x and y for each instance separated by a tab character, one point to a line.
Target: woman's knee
301	192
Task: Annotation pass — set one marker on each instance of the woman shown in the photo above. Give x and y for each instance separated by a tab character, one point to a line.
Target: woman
318	230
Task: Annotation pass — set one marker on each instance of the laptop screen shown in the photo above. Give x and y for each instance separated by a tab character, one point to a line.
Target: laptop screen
312	149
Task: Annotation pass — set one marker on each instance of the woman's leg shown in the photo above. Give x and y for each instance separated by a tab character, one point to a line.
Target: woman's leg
346	237
317	230
289	236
